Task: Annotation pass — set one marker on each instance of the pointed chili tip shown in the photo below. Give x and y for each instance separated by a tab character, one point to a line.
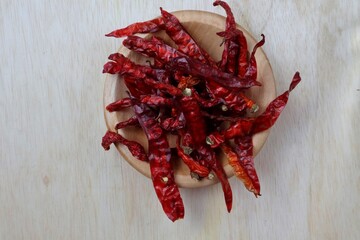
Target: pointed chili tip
111	34
295	81
258	83
216	3
229	207
263	37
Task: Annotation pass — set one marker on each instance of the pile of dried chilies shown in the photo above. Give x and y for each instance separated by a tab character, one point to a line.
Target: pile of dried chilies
188	94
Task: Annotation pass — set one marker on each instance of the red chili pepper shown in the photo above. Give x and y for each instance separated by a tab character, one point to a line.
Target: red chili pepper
134	147
119	105
209	159
186	44
151	26
231	45
150	48
273	111
133	121
159	154
198	69
193	165
194	121
172	124
156	100
243	164
252	68
184	93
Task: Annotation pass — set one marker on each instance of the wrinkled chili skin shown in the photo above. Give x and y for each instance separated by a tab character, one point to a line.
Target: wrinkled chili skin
150	26
194	121
251	71
208	158
136	149
133	121
244	150
231	45
149	48
193	165
159	156
273	111
240	170
186	44
209	73
119	105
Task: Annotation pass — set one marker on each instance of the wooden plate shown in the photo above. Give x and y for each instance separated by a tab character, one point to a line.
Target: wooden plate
203	27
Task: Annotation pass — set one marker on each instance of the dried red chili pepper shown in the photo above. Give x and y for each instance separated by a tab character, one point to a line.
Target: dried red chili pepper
209	159
134	147
151	26
273	111
193	165
194	120
172	124
231	45
186	44
119	105
251	71
156	100
244	150
242	164
183	92
151	48
198	69
159	154
133	121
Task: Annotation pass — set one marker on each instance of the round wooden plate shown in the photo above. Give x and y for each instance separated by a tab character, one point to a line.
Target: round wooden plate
203	27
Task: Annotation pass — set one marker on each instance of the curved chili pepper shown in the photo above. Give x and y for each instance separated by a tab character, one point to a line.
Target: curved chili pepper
252	68
273	111
159	154
198	69
135	148
174	91
151	26
133	121
250	126
186	44
151	48
119	105
244	150
173	124
240	170
231	46
194	166
209	159
156	100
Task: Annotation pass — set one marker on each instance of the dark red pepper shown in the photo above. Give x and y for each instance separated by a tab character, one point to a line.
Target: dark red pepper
159	154
134	147
209	73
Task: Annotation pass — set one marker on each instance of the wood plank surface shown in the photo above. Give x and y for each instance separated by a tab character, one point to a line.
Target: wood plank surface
56	182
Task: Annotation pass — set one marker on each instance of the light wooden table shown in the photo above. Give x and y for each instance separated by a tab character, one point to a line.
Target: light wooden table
56	182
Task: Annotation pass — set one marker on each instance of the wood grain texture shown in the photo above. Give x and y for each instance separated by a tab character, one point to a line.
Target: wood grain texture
57	183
